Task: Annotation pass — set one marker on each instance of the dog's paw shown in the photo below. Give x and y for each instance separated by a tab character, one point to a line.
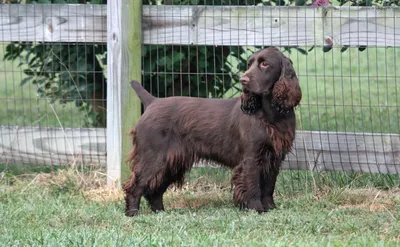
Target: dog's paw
255	205
268	204
132	212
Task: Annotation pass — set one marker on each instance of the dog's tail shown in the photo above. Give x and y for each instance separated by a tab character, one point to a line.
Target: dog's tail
145	97
129	184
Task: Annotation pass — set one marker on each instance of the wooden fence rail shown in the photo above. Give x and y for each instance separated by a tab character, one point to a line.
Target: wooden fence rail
313	150
209	25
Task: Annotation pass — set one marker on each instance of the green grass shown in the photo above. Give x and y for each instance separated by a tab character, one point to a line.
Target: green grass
350	91
70	208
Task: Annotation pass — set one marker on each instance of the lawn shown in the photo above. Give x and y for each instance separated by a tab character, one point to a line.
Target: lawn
73	208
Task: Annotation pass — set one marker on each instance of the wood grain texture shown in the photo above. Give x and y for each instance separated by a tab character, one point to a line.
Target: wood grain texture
210	25
340	151
363	26
239	25
268	25
313	150
114	90
131	70
124	61
53	22
52	146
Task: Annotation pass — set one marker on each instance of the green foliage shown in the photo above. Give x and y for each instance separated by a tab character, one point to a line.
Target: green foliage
62	72
199	71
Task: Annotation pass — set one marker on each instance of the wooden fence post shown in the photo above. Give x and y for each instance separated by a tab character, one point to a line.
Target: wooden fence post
124	41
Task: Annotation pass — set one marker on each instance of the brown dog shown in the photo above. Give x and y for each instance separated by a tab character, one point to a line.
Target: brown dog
251	134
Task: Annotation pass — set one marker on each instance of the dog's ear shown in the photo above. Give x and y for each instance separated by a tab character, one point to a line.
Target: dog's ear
286	93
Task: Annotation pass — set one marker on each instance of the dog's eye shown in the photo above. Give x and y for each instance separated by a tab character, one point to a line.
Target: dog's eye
264	65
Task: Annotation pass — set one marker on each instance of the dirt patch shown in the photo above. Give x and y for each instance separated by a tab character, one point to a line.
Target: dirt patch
104	194
370	199
85	181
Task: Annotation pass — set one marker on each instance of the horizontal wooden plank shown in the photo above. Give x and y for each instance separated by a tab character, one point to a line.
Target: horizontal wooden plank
52	146
271	25
229	25
313	150
53	22
210	25
358	152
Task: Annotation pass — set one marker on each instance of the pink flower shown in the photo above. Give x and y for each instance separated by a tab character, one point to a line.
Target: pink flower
320	3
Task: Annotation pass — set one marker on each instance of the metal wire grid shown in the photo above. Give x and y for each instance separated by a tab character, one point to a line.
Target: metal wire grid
28	116
350	91
354	91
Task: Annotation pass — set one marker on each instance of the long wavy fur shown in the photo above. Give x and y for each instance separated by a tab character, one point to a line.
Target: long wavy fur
130	182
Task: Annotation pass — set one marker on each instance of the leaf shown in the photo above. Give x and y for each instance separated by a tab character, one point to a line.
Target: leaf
96	1
33	60
203	50
25	80
144	51
65	76
104	60
54	87
300	2
362	48
344	48
302	51
280	3
148	66
178	57
165	61
327	48
29	72
82	65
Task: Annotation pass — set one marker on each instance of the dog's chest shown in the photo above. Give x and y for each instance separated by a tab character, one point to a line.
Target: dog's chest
281	137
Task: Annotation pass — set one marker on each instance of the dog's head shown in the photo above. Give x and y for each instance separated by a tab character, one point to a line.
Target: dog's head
270	73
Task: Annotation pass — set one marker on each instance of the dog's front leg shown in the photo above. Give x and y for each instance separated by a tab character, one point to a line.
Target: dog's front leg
251	184
268	181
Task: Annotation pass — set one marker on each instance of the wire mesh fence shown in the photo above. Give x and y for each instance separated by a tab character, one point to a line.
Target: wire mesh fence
349	118
349	114
53	93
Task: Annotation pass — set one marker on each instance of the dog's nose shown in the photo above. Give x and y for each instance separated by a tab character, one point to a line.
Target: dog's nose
244	80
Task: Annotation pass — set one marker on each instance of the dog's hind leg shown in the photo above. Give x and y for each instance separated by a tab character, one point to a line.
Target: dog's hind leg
160	183
133	192
156	201
154	193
